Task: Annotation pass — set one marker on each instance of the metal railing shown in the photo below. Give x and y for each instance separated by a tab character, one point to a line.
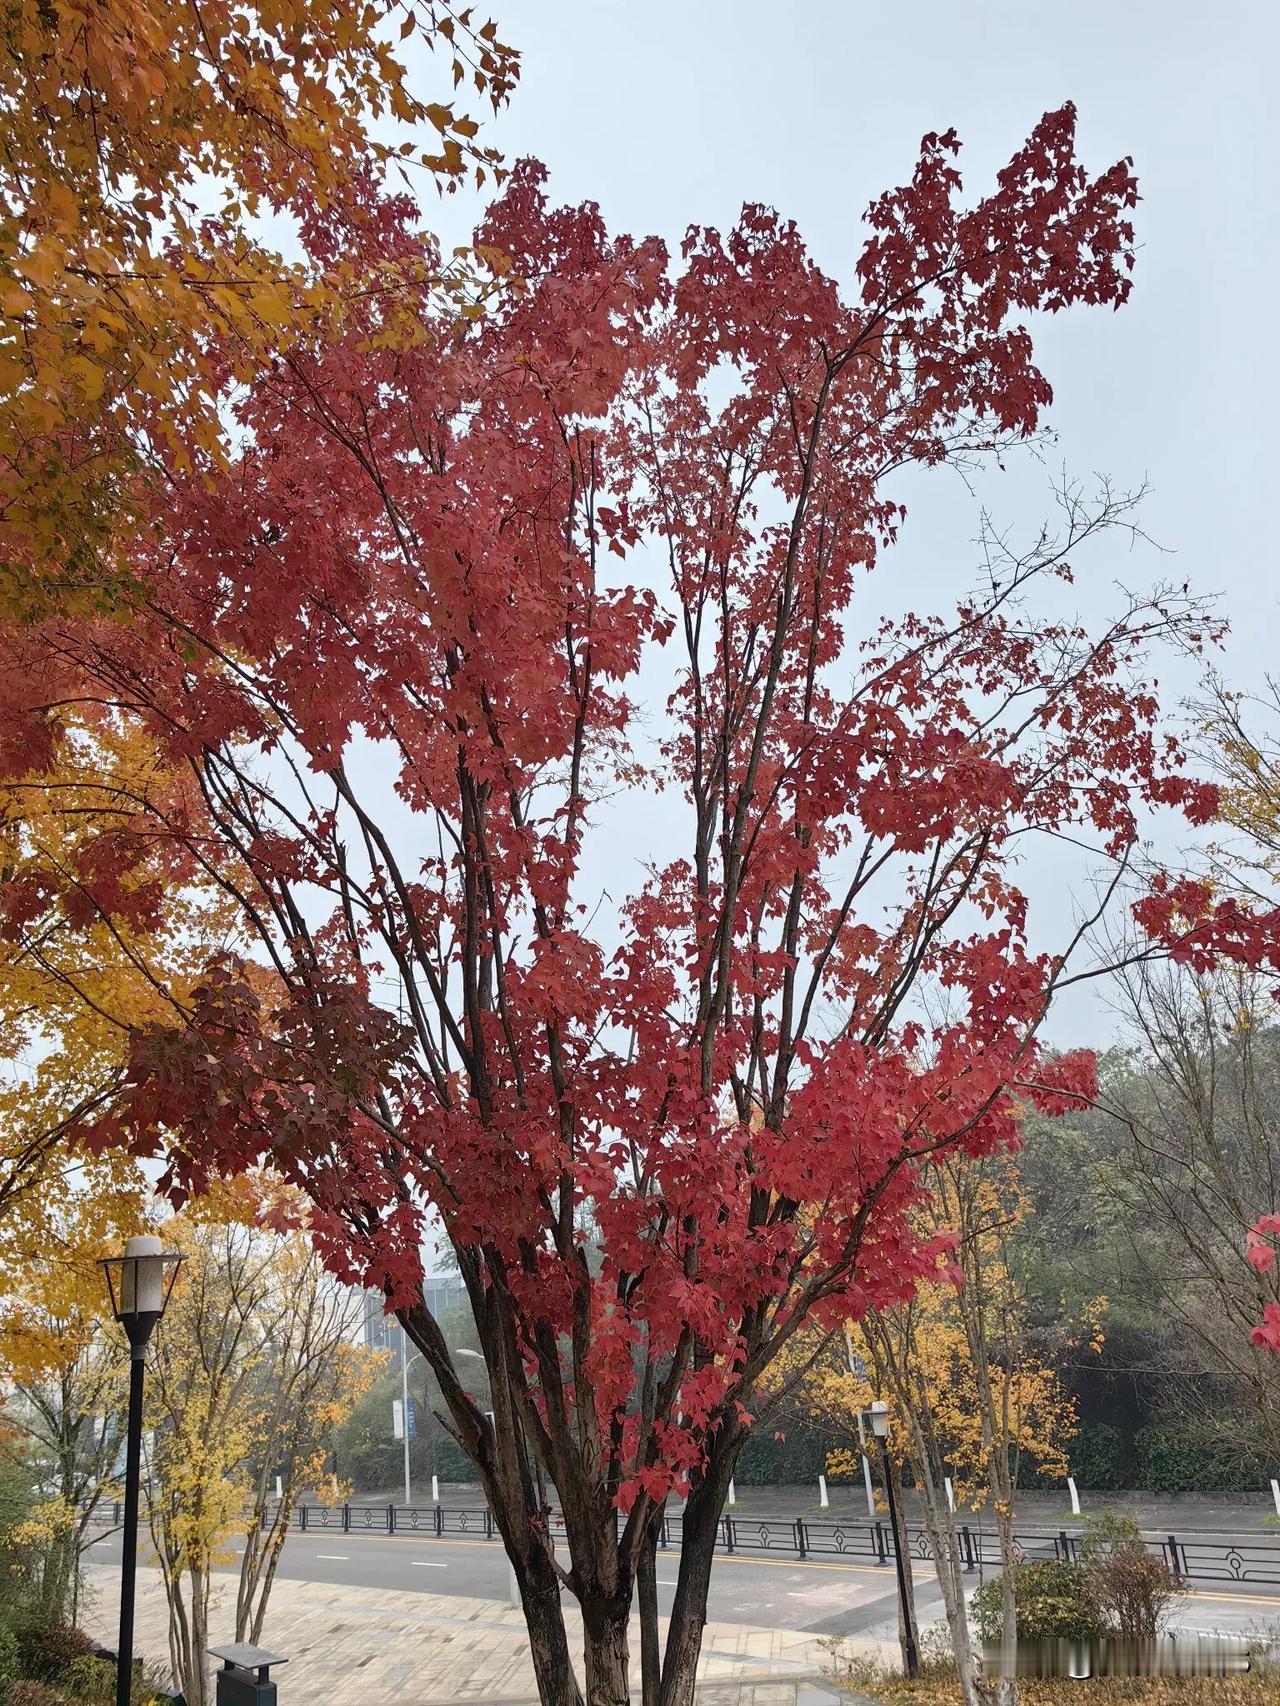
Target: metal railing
1198	1557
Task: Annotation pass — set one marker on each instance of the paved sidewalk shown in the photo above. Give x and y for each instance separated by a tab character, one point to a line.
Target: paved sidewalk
422	1649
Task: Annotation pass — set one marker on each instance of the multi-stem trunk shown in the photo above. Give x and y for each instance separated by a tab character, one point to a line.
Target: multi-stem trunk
188	1626
503	1469
940	1524
263	1545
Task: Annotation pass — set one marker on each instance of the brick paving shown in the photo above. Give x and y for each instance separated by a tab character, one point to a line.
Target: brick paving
389	1648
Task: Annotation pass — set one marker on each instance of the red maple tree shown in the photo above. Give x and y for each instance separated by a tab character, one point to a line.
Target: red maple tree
395	660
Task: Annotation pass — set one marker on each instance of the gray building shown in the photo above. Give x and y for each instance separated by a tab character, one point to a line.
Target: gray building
440	1293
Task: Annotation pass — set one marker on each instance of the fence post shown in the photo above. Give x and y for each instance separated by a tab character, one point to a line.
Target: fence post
728	1534
800	1545
882	1557
488	1523
346	1519
391	1519
967	1539
1178	1571
302	1512
439	1518
663	1539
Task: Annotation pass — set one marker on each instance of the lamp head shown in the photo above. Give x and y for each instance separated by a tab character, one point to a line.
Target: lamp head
879	1417
139	1284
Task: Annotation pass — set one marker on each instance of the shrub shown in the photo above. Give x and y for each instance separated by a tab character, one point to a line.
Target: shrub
1133	1587
25	1692
1054	1600
46	1652
90	1678
8	1656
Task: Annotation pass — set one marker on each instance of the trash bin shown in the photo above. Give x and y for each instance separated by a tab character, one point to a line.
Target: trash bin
244	1679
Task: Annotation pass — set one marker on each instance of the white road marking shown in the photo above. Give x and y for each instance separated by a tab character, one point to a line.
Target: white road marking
333	1557
662	1583
422	1564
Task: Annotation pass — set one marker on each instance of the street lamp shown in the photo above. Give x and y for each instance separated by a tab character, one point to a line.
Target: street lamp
405	1362
878	1416
138	1283
858	1369
404	1408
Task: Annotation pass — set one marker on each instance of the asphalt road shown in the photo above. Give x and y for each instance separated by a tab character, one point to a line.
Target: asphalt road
827	1597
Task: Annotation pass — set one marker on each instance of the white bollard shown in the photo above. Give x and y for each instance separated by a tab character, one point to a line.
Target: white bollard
279	1490
951	1494
1075	1497
733	1496
435	1489
513	1585
1275	1494
824	1503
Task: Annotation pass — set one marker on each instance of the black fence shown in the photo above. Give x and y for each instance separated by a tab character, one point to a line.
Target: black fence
1191	1558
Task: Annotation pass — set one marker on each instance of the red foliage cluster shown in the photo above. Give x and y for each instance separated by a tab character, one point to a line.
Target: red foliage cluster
1261	1252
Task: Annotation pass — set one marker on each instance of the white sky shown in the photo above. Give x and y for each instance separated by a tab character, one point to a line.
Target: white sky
669	114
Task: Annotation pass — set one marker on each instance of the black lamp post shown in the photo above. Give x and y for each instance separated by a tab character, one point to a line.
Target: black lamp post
139	1283
878	1416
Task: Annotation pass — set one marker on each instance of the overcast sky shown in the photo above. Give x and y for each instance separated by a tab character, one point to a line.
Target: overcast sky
669	114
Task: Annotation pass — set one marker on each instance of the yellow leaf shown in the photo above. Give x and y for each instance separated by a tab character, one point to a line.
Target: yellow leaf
61	203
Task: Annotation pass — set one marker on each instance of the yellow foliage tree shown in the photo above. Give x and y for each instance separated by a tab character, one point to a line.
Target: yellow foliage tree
72	983
972	1398
252	1369
66	1391
146	142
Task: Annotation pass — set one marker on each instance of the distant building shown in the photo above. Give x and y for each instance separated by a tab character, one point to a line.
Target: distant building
440	1292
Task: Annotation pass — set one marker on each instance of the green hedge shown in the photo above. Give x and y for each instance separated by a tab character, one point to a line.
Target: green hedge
1103	1458
799	1456
1160	1458
1180	1460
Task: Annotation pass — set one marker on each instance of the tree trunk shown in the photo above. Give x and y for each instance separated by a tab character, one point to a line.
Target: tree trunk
548	1644
604	1630
198	1669
907	1620
701	1527
647	1593
1006	1689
